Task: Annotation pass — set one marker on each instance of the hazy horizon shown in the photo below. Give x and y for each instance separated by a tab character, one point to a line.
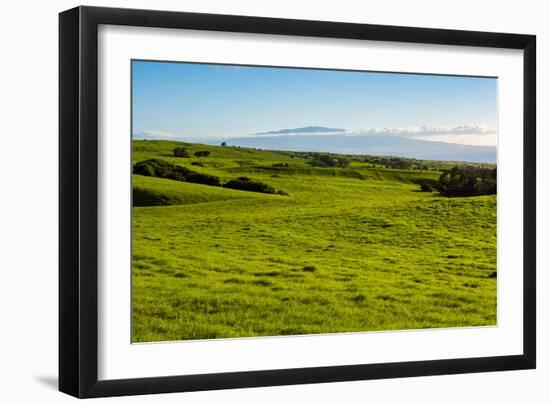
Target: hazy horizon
212	103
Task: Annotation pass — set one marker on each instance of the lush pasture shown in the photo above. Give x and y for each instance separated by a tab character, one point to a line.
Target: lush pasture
349	249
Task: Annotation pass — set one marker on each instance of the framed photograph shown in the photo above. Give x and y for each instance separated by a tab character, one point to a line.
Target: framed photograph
251	201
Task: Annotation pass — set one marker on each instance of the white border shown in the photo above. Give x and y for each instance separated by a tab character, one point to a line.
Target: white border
119	359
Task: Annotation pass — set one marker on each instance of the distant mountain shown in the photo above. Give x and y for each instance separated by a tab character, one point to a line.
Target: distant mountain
378	145
304	130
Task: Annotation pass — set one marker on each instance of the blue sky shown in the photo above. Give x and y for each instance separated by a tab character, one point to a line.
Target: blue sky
185	100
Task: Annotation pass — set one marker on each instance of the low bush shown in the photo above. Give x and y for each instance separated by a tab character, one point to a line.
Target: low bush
163	169
398	163
181	152
144	168
202	153
246	184
206	179
426	188
325	160
468	181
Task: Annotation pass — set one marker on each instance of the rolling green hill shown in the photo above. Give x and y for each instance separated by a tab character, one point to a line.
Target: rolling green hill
348	249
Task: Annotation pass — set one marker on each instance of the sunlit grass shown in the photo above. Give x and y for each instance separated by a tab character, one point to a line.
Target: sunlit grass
353	249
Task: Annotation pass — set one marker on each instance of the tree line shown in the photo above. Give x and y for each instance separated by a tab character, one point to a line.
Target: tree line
183	153
465	181
163	169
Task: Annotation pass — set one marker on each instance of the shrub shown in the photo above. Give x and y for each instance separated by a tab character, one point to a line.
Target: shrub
151	167
197	163
144	168
206	179
398	163
181	152
246	184
163	169
202	153
343	163
426	188
468	181
325	160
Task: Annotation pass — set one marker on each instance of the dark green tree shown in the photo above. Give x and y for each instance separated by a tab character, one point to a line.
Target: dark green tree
181	152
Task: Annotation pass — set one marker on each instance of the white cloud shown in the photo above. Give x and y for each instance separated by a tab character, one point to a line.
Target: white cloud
477	139
430	130
475	135
154	135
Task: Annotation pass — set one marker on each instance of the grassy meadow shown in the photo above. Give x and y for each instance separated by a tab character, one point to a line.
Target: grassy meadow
348	249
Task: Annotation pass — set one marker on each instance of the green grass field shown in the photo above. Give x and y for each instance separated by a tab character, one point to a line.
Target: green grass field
349	249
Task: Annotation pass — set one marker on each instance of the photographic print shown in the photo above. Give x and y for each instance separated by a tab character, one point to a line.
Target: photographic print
276	201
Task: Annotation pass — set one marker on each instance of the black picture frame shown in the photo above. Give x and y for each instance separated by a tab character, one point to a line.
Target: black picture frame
78	201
